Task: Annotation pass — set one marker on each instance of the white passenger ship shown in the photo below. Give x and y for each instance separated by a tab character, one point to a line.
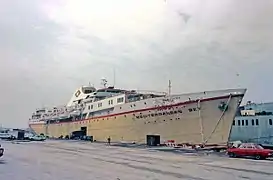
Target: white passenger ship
135	116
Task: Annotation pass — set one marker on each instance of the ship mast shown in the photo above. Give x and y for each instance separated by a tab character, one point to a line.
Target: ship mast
170	86
114	77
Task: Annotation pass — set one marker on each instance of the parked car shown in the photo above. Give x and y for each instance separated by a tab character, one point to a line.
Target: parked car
5	135
36	138
250	150
1	151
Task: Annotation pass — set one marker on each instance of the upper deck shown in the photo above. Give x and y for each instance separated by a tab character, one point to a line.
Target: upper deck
82	103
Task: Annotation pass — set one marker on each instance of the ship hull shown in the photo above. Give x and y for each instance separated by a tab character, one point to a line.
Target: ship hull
196	122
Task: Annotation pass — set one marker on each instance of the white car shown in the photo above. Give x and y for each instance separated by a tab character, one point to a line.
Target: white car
37	138
1	151
5	136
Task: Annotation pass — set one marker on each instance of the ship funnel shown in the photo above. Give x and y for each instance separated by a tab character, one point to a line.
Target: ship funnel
104	81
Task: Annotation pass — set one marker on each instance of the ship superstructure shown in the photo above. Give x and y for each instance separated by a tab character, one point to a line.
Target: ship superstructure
133	116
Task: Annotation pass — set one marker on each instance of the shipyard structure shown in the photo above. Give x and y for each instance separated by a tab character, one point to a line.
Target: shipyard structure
253	123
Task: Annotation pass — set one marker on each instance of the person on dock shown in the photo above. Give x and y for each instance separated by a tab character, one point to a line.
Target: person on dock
109	140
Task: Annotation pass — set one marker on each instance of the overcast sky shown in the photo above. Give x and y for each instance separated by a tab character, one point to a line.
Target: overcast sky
50	48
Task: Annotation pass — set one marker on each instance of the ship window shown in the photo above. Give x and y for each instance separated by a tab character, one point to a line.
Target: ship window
257	122
253	122
88	107
190	110
246	122
243	122
120	100
239	123
87	91
270	122
233	123
99	104
92	106
109	102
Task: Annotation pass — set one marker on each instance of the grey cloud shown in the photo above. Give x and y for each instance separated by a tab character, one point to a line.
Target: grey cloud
43	61
27	65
